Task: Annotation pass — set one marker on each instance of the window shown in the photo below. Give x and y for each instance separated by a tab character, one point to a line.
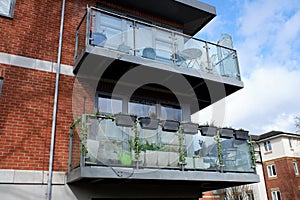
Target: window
109	105
7	8
290	142
271	170
268	146
171	112
1	83
142	108
276	195
296	168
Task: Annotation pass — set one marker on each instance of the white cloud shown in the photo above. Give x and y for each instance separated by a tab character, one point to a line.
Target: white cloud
269	101
268	47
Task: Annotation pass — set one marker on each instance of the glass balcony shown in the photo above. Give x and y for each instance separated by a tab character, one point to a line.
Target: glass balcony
102	29
100	142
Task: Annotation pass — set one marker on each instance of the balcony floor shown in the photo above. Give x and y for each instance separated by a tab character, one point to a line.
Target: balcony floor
153	182
104	64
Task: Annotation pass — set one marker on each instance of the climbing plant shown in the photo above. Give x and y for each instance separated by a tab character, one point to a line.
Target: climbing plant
219	149
181	145
252	152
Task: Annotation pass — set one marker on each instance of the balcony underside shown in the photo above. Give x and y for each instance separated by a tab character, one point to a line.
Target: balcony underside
199	87
194	15
150	183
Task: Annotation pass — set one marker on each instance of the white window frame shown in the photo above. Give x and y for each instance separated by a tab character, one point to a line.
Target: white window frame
268	146
7	8
295	165
276	195
271	170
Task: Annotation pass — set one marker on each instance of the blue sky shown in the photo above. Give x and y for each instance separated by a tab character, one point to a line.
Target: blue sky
266	34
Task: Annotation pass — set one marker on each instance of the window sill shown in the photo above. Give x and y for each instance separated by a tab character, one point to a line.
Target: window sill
268	152
272	177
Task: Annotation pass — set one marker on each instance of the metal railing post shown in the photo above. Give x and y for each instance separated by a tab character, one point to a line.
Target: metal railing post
70	150
83	135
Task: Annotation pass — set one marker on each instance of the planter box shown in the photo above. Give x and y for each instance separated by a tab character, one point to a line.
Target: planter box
150	158
149	123
162	158
241	134
125	120
170	125
226	132
208	130
173	159
190	128
189	162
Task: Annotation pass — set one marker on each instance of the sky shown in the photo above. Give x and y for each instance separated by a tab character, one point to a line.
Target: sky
266	35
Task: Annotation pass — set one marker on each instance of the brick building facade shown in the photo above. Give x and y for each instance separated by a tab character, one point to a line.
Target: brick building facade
280	162
30	34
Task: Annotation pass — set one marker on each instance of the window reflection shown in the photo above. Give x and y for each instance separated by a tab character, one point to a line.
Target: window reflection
109	105
142	108
171	112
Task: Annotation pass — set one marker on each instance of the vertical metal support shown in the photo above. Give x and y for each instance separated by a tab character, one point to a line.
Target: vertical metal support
173	47
237	65
55	104
220	60
1	83
76	46
134	37
83	135
209	65
70	150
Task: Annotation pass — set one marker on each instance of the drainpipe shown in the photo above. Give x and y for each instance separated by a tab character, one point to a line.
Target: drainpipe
49	189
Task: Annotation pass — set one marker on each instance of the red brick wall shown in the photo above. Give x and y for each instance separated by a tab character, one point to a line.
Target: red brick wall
26	117
26	104
34	30
286	181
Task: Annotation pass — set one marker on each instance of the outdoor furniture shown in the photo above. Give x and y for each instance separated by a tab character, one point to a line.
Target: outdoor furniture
149	52
98	39
191	55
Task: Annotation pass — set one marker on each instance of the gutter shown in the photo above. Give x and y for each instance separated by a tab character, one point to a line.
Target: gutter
49	188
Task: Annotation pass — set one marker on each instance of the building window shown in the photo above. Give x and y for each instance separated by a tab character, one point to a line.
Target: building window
171	112
142	108
268	146
108	105
276	195
271	170
7	8
296	168
290	142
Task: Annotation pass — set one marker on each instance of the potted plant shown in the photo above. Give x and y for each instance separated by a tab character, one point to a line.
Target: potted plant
226	132
125	120
241	134
220	152
149	123
208	130
189	128
170	125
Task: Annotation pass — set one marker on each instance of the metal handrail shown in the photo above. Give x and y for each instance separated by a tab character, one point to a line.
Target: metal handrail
133	47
